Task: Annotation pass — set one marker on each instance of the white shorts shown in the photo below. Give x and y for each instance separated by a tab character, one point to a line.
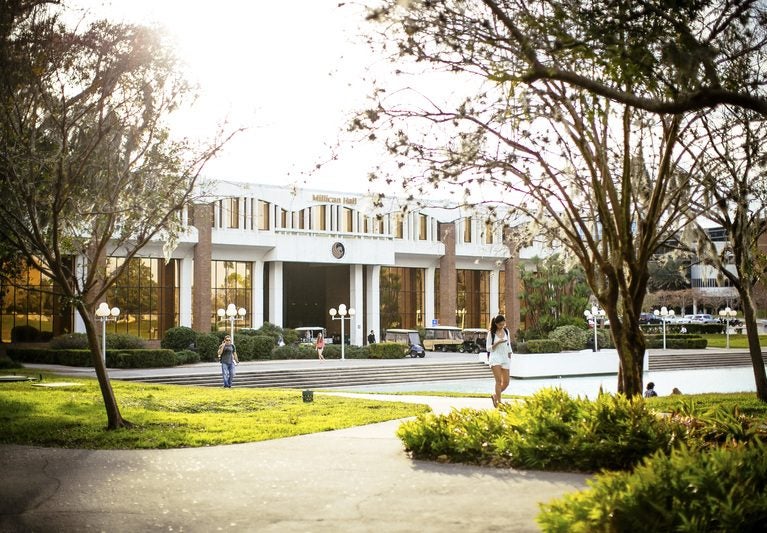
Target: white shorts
501	360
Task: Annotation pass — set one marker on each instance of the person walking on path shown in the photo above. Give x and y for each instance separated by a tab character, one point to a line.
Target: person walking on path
499	349
227	355
320	345
371	337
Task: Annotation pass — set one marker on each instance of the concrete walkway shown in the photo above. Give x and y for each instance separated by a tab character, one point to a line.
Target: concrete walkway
356	479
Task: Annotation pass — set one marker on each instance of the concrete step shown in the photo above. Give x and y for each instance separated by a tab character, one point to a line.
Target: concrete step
332	377
687	361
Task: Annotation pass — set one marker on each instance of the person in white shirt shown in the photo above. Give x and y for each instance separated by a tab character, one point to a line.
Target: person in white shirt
499	355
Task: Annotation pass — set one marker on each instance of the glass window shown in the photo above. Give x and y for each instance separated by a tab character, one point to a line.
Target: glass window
263	215
467	229
232	208
347	220
422	227
401	296
231	283
488	232
399	226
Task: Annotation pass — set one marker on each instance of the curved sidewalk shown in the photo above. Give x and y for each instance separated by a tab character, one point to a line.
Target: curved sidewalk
356	479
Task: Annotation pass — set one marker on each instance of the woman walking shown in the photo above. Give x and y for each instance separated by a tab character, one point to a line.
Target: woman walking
499	350
320	345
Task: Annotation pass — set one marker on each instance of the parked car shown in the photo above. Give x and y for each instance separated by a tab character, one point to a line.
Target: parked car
704	318
648	318
443	339
474	340
409	338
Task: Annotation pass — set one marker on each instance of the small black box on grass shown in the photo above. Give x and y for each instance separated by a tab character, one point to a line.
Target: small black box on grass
308	395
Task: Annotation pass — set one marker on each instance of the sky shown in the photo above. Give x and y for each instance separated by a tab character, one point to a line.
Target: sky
291	73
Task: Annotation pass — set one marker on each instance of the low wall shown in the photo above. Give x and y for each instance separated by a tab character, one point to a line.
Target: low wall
554	365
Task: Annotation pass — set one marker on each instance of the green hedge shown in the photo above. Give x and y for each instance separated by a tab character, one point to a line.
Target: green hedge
384	350
82	358
539	346
692	328
206	345
676	341
79	341
722	490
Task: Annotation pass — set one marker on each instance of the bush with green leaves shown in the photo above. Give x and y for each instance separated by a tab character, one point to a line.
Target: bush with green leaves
547	431
187	357
79	341
141	358
570	337
539	346
383	350
179	338
206	344
123	341
676	341
721	490
69	341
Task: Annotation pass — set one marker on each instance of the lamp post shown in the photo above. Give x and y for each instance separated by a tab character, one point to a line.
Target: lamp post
727	314
342	316
104	314
462	314
232	314
664	313
595	313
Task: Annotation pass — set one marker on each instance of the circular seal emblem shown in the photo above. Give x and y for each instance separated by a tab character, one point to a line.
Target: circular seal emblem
338	250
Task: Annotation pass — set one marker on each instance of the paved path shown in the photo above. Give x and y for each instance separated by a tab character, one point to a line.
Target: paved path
356	479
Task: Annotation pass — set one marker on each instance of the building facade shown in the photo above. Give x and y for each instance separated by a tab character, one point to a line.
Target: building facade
287	256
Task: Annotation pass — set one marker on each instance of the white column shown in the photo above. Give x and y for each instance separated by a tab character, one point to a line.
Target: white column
185	292
257	301
275	293
428	313
495	287
373	307
357	302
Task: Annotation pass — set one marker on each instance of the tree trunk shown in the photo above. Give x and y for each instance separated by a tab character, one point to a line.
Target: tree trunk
754	348
114	418
631	352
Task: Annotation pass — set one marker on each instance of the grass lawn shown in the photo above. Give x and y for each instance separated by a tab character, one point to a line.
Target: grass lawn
167	416
736	341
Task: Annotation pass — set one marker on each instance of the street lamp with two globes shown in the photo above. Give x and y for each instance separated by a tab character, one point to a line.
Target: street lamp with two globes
342	316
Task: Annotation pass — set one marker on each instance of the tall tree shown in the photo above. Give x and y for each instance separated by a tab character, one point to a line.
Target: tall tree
88	168
688	54
732	160
600	178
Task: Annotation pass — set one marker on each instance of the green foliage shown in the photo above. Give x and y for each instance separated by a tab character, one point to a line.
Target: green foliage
746	403
206	344
141	358
553	295
383	350
570	337
295	351
548	431
122	341
187	357
25	333
692	328
173	416
722	490
679	341
539	346
179	338
69	341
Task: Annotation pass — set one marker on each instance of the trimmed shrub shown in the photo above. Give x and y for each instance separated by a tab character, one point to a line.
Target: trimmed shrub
187	357
383	350
121	341
296	351
570	337
179	338
206	344
69	341
676	341
604	339
263	346
141	358
721	490
691	327
539	346
25	333
51	357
